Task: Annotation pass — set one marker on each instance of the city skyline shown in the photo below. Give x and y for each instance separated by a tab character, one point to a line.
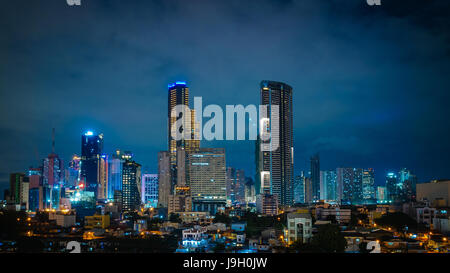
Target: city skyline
342	108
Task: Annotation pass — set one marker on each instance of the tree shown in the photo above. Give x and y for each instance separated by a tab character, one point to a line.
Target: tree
219	247
397	220
12	224
29	245
222	218
332	219
363	248
300	247
174	218
329	239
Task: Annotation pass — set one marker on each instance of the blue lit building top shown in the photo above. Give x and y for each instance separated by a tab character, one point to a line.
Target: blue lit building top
177	83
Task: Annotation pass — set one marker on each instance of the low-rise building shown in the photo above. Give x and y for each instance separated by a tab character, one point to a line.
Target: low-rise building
267	204
341	215
299	226
96	221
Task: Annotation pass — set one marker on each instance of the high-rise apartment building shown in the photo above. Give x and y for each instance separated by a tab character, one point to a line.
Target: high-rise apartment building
392	187
19	187
349	181
150	190
368	186
275	156
131	185
328	185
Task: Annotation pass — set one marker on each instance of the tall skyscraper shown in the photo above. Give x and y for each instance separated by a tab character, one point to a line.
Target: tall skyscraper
382	195
299	189
275	168
368	186
328	185
349	182
164	177
235	182
315	176
392	188
207	174
52	170
250	193
179	95
150	190
407	181
103	168
131	185
35	176
115	173
308	190
19	187
91	150
73	172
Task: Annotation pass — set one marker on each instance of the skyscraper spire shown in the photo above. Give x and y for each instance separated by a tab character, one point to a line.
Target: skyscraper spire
53	140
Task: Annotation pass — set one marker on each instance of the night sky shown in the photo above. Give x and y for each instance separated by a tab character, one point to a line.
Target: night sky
371	85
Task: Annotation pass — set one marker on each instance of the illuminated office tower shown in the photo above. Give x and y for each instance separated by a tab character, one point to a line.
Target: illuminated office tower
181	168
368	186
207	173
52	170
73	172
35	176
235	183
131	185
103	179
392	189
180	196
299	189
308	190
349	182
115	173
164	177
250	193
382	195
315	177
275	166
55	196
240	186
179	95
328	185
33	199
150	190
408	182
91	150
230	185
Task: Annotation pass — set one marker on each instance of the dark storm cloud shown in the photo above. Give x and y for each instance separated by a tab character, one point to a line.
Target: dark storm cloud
370	83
